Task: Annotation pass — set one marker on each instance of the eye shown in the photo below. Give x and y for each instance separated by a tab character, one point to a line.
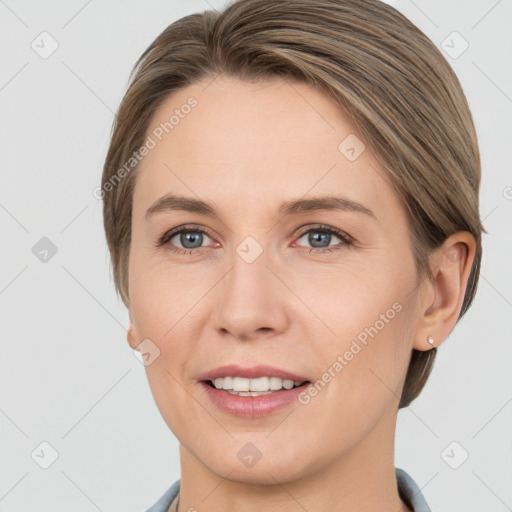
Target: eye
320	237
190	239
185	239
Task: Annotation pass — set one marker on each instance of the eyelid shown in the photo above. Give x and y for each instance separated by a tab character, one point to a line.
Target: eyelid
168	235
347	240
324	227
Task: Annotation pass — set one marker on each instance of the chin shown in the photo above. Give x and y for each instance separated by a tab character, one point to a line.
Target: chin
267	466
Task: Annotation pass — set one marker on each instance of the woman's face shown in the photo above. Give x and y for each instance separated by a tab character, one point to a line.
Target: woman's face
267	283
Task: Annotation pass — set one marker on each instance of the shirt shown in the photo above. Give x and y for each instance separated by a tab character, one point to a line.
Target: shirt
408	490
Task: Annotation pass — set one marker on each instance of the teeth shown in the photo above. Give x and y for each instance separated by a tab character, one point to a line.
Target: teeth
248	393
227	382
275	383
241	384
287	384
260	385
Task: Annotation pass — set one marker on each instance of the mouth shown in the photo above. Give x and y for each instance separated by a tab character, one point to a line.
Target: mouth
252	392
243	386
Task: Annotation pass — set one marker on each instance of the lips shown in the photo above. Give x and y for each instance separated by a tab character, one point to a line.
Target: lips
233	370
252	407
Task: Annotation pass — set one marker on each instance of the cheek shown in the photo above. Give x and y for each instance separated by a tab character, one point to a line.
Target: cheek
356	300
164	303
163	294
370	315
364	365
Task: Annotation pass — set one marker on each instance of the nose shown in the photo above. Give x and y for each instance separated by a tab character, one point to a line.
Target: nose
251	301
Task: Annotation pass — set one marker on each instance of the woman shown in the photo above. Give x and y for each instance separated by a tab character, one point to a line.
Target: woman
291	207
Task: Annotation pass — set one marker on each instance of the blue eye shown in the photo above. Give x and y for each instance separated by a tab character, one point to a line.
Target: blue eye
192	237
319	235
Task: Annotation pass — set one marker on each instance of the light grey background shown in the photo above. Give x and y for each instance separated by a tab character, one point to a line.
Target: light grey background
67	374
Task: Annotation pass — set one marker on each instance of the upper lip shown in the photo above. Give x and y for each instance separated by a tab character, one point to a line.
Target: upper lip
234	370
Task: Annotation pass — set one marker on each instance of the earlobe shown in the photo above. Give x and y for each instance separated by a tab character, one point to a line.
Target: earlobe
451	265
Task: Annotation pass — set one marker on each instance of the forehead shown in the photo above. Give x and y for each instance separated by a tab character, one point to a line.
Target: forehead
249	143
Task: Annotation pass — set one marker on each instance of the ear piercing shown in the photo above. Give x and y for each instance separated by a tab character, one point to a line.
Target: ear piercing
430	339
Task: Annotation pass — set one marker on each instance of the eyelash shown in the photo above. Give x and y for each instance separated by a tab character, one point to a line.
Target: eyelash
346	239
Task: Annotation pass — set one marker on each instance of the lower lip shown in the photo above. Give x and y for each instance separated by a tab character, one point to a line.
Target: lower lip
252	406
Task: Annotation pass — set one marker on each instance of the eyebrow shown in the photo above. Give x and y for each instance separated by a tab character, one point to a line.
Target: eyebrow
171	202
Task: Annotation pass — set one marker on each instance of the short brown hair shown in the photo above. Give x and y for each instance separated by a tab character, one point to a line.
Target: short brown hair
384	73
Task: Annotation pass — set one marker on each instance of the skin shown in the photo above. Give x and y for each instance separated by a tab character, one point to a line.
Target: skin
246	148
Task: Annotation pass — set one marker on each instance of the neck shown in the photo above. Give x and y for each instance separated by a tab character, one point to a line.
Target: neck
362	479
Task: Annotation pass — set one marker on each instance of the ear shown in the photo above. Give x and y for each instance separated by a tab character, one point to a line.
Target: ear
442	294
131	334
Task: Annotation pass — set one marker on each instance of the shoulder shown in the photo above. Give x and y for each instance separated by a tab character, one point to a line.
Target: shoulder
409	492
164	502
